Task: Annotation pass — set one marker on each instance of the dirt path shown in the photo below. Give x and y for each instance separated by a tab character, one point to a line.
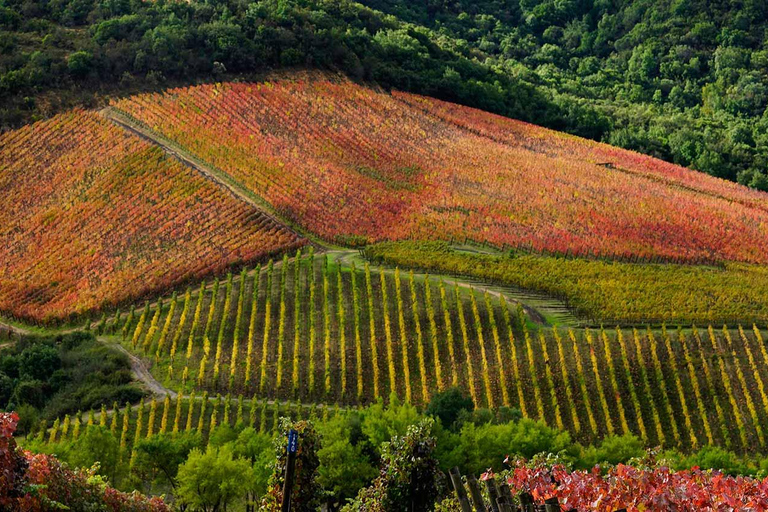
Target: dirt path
348	257
142	374
344	256
236	189
15	329
140	370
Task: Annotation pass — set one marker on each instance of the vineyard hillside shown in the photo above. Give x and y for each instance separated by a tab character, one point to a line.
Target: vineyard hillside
353	165
94	216
318	330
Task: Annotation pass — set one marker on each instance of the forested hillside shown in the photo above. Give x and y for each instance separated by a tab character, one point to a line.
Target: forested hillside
684	80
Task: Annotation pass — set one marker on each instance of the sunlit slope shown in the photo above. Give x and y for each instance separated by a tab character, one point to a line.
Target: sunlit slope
92	215
353	164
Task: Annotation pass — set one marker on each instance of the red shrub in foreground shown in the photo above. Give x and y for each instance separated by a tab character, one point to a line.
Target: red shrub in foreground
638	489
33	482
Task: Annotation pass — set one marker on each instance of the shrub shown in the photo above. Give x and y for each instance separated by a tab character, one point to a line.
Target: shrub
409	475
448	405
41	482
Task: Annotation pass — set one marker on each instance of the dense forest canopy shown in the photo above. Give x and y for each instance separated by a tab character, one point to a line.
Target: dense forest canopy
684	80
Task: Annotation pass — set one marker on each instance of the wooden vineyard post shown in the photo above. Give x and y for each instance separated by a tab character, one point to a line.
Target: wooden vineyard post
458	487
493	494
505	498
474	491
526	502
290	468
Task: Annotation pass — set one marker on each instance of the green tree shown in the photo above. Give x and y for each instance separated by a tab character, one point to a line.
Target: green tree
6	389
613	450
80	63
345	464
96	445
381	423
38	362
448	406
257	449
159	457
29	392
211	481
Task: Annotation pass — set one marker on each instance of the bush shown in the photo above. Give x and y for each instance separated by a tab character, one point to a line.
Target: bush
448	405
38	362
54	486
213	479
306	491
715	457
409	475
6	389
29	392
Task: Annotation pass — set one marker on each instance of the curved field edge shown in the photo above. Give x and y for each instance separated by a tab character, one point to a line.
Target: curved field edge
96	217
603	292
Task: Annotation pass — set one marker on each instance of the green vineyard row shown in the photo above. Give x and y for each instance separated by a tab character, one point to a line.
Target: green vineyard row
196	414
310	329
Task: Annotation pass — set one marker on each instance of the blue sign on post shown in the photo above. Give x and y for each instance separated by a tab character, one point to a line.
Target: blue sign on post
293	441
290	468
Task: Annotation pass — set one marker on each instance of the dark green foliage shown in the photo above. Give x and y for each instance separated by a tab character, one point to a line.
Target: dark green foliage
348	459
38	362
29	392
307	492
685	81
62	374
6	388
409	477
448	406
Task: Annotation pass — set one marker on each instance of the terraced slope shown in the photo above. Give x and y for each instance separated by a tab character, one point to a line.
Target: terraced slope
355	165
303	329
309	328
94	216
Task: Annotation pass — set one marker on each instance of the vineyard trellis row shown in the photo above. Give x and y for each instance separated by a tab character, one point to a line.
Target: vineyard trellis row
370	165
96	235
201	414
590	382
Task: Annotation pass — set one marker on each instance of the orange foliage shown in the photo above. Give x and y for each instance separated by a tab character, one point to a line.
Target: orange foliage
92	215
352	164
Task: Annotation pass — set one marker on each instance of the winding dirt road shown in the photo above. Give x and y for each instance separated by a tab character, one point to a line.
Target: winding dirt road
140	370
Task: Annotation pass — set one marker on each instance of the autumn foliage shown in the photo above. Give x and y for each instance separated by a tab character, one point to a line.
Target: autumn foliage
355	165
93	215
35	482
636	489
